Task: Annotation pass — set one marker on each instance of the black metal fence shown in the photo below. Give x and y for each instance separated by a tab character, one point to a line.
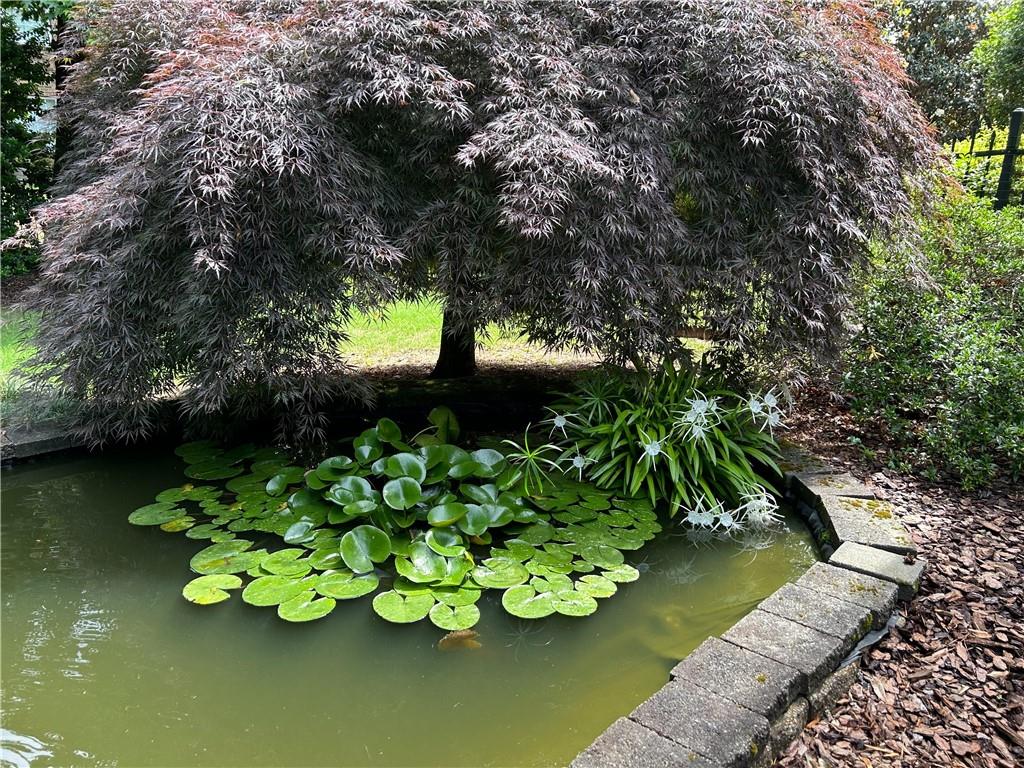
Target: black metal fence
994	171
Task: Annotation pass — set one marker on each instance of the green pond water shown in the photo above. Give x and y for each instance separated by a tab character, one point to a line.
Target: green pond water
104	663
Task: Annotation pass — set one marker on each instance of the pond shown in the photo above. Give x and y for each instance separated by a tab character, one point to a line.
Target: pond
105	664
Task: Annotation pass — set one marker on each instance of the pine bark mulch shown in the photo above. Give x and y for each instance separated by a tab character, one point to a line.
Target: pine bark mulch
946	686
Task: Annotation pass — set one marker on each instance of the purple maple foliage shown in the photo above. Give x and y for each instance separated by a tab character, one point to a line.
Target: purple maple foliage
247	173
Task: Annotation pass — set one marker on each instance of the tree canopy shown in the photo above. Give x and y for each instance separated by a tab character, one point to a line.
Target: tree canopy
245	173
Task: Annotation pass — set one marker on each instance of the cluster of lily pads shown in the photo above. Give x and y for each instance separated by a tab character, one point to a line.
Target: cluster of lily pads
426	524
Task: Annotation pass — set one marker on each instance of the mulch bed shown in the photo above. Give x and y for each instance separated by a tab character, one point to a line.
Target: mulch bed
946	686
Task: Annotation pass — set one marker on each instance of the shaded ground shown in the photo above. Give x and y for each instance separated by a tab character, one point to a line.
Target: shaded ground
946	687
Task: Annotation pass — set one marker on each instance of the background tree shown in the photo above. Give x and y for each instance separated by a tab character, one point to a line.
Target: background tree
1000	57
598	175
26	35
937	38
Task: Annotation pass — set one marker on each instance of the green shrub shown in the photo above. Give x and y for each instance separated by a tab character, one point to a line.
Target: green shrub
938	361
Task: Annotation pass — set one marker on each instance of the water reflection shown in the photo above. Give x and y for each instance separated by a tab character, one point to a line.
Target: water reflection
17	751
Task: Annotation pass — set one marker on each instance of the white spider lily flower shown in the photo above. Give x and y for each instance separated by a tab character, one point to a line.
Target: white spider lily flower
770	399
579	462
699	516
759	509
756	406
559	421
652	448
699	430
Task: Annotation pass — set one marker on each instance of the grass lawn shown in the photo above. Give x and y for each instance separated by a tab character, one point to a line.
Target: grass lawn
409	335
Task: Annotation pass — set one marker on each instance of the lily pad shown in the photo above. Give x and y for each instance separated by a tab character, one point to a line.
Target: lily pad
406	465
456	596
446	514
226	557
402	609
212	470
402	493
350	489
306	607
526	603
602	555
286	562
596	586
499	573
570	602
300	532
333	468
207	590
445	542
325	559
454	618
423	565
621	573
156	514
273	590
363	546
344	585
178	524
388	431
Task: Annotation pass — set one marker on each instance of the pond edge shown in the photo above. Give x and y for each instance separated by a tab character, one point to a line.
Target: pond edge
739	700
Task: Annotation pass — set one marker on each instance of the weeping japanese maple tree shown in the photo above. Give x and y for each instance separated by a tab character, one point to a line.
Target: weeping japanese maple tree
597	175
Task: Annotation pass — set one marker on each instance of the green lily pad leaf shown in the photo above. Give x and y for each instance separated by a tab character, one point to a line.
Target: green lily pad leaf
363	546
481	494
456	570
400	544
569	602
621	573
285	562
200	450
156	514
325	559
454	618
519	549
476	520
524	602
207	590
423	565
305	607
273	590
465	594
226	557
314	481
446	514
208	531
445	422
333	468
554	583
178	524
344	585
467	469
406	465
402	493
388	431
402	609
300	532
403	586
582	566
493	460
367	447
596	586
537	533
445	542
499	573
212	470
602	555
350	489
277	485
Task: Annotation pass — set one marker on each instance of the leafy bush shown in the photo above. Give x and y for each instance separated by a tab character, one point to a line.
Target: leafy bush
246	173
1000	56
938	362
693	445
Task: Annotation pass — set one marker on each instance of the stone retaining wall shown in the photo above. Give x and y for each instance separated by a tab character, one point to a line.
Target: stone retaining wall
739	700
